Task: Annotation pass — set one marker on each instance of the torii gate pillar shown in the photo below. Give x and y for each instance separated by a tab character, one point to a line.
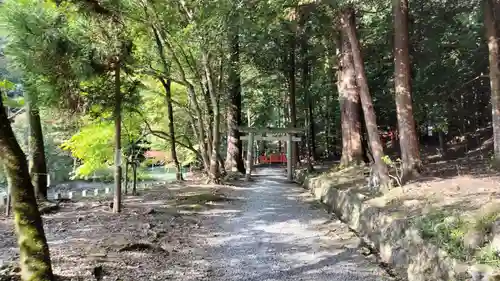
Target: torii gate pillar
248	173
289	157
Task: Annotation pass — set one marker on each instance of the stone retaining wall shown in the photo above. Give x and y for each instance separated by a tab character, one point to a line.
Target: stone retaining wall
396	241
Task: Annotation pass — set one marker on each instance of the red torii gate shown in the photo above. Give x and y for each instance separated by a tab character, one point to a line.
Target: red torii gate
289	138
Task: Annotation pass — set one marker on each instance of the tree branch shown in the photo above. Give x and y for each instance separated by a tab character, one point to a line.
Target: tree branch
164	135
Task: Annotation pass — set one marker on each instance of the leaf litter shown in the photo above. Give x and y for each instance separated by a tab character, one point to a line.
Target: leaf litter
154	238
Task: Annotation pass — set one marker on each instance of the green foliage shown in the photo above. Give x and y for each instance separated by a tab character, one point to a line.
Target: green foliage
93	144
447	231
444	230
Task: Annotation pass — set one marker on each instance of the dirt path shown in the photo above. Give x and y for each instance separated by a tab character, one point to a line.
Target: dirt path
264	230
276	235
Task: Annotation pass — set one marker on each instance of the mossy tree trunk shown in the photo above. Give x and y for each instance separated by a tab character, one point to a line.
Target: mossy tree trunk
33	248
37	164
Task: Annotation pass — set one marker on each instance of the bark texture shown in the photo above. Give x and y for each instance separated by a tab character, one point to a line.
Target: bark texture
491	26
117	199
33	248
352	149
234	157
37	164
410	154
349	27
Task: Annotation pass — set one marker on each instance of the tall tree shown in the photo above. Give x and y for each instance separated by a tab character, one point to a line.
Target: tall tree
167	84
491	26
234	157
37	163
352	149
349	27
402	80
117	114
33	248
306	65
291	70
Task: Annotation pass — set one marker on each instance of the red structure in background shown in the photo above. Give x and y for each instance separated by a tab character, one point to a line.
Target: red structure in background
275	158
389	135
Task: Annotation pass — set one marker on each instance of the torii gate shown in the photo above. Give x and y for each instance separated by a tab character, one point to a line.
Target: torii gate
256	134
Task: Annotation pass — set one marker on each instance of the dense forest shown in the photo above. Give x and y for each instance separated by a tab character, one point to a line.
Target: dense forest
90	85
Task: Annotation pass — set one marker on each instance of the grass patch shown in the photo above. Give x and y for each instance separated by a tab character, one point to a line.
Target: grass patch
448	230
444	230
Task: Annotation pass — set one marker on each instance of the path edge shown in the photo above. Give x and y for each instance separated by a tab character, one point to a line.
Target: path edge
398	244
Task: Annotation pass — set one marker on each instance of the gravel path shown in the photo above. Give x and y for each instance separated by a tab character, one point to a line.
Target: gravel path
278	236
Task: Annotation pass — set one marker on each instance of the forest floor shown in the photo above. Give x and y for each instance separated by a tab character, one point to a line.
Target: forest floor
154	238
260	230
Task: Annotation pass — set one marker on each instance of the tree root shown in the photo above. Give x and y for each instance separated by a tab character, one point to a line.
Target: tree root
141	247
48	208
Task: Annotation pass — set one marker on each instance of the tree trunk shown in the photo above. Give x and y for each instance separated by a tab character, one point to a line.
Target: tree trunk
8	207
33	248
117	200
410	155
170	112
126	176
134	178
234	157
37	164
306	81
492	38
352	148
214	171
222	169
312	129
349	27
292	82
197	123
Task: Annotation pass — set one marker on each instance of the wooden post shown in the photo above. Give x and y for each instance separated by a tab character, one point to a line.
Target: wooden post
249	157
289	160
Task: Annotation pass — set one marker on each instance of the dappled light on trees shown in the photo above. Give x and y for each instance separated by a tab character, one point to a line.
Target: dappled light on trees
352	152
402	77
491	19
348	22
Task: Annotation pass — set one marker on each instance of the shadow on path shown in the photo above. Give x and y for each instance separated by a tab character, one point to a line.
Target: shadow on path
277	235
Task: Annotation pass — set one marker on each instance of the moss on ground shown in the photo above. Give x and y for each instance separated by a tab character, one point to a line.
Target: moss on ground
202	198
